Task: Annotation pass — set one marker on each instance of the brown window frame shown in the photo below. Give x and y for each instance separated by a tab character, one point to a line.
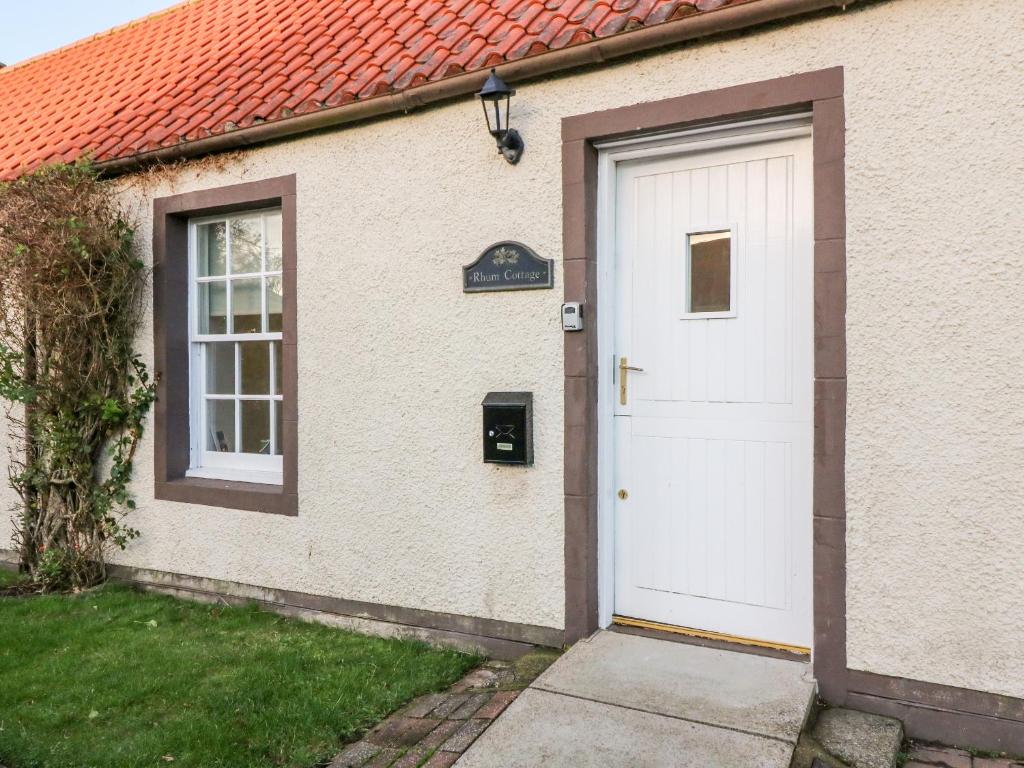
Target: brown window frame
171	348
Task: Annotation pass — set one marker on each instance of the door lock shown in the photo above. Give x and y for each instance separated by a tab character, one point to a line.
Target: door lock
623	494
623	379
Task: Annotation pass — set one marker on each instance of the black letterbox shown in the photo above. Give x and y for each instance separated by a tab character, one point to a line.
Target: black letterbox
508	428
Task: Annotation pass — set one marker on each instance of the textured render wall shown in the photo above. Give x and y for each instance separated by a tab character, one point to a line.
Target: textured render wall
935	485
395	506
8	498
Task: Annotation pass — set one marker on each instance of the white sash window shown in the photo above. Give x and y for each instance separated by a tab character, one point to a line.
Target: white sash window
235	302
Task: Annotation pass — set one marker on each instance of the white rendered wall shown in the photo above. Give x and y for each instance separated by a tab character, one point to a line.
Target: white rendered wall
9	500
395	504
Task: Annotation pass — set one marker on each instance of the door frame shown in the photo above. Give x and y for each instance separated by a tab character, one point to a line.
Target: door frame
741	134
821	94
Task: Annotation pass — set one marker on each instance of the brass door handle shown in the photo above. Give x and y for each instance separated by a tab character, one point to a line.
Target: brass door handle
623	378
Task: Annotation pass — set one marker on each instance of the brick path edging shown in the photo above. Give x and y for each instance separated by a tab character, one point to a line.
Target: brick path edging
434	730
937	756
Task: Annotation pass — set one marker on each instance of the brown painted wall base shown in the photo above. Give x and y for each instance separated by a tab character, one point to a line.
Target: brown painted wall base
491	637
942	713
498	639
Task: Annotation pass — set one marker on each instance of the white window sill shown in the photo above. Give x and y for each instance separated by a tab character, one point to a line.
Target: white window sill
237	475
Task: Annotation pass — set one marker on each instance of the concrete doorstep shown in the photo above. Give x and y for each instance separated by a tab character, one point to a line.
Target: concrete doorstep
624	700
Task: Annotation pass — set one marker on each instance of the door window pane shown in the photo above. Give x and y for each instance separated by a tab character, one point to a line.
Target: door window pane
220	368
212	243
710	272
220	423
213	308
275	292
256	426
246	245
246	309
272	222
255	358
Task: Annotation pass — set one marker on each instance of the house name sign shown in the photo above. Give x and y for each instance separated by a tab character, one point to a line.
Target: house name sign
507	266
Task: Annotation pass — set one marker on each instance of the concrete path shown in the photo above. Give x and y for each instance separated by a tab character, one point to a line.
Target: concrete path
624	700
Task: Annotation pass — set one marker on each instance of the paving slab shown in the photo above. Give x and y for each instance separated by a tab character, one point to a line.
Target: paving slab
755	694
548	730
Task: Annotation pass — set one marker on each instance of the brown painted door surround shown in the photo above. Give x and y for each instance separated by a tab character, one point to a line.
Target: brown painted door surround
822	93
929	710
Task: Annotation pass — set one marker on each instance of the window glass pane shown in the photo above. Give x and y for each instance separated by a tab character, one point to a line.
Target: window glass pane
220	368
272	221
245	245
255	357
256	426
278	366
246	310
710	272
212	244
220	425
278	416
213	308
274	293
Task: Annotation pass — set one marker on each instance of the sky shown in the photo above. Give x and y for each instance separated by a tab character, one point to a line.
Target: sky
31	27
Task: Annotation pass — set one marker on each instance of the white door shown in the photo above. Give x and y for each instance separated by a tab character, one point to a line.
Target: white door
713	437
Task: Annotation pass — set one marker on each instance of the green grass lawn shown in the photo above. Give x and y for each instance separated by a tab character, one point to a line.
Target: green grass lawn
117	679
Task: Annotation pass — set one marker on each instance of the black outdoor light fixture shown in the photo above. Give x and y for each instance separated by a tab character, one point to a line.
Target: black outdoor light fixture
496	96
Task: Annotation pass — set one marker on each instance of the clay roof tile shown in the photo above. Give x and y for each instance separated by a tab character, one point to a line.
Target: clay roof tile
208	66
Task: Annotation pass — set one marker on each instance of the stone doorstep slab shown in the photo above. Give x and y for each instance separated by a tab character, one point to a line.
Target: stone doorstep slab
754	694
858	738
541	728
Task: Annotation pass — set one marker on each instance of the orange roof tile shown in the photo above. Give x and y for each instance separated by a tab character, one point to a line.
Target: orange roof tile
208	66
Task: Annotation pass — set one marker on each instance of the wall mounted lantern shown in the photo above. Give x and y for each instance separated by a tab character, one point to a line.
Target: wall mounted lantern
496	97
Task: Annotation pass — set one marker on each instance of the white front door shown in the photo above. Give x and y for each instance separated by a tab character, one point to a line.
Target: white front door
713	437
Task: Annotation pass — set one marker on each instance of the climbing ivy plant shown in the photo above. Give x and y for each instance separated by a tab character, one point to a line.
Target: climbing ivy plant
77	394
